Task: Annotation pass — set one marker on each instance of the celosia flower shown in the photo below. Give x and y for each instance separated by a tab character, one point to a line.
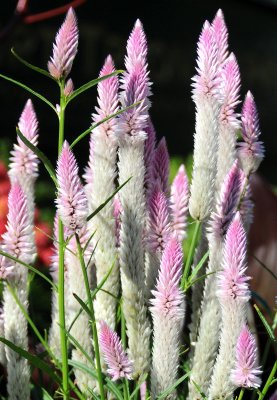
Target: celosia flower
18	240
229	90
149	152
136	47
23	161
161	165
71	200
220	36
227	202
232	280
251	150
65	47
117	210
159	222
246	371
69	87
116	358
168	297
179	199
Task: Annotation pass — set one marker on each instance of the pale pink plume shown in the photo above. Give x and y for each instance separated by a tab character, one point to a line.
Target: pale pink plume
119	366
220	36
69	87
159	220
65	47
136	47
179	203
23	160
161	165
232	280
246	371
168	298
71	200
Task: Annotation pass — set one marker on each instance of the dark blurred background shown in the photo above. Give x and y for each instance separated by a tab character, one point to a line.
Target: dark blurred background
172	28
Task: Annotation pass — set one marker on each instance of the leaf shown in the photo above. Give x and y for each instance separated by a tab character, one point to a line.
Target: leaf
265	267
7	78
137	388
102	282
198	266
169	390
107	201
36	271
90	84
266	325
46	395
90	129
34	360
46	162
83	304
31	66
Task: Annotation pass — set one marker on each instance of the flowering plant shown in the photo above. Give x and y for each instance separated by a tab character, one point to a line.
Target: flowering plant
122	297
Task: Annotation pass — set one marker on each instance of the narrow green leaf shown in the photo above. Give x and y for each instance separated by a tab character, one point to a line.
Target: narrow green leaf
90	84
200	279
46	395
107	201
31	66
102	282
78	346
169	390
40	154
82	304
266	325
36	271
265	267
198	266
139	383
7	78
90	129
34	360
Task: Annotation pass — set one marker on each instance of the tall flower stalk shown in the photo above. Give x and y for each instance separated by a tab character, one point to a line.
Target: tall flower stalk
132	135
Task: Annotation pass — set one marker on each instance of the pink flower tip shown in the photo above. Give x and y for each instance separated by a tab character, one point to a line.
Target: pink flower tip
65	47
246	371
119	366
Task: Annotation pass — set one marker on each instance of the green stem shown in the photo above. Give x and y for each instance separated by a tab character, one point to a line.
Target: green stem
190	254
126	393
268	382
93	321
241	393
63	337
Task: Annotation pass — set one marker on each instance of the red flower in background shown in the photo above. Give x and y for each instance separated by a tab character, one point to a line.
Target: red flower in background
43	230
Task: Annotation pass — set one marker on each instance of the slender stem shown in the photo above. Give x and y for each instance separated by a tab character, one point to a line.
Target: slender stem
63	337
126	393
93	321
268	382
241	393
190	254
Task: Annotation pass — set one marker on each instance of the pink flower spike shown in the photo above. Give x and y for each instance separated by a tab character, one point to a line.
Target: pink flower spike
160	227
228	201
168	298
18	240
65	47
107	98
161	165
116	358
220	36
23	161
69	87
246	371
206	80
149	151
117	210
71	201
136	47
179	200
251	151
229	90
232	280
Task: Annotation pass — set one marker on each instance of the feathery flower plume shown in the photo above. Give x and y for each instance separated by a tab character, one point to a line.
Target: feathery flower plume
220	36
102	164
168	313
71	200
19	242
205	89
161	165
117	209
251	150
23	167
149	152
65	47
233	294
132	135
228	119
119	366
206	345
246	369
179	199
159	231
